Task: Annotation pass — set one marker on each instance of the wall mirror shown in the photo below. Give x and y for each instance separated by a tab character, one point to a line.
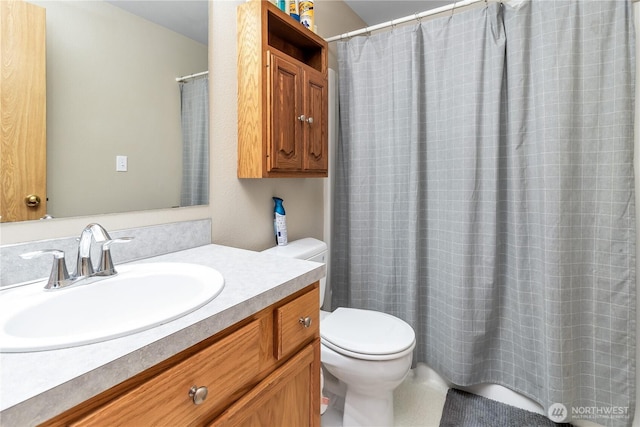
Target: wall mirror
114	125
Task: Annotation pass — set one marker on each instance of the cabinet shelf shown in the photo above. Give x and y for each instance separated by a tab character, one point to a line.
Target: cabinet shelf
298	43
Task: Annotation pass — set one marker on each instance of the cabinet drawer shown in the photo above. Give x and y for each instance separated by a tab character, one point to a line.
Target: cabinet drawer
224	368
296	323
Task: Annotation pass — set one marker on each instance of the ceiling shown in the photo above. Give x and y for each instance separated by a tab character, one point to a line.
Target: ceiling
190	17
378	11
187	17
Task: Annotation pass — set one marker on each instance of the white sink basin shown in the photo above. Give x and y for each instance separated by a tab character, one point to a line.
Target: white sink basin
140	297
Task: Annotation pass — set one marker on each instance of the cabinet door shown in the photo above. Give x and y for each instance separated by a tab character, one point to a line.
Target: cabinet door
288	397
23	134
285	148
316	126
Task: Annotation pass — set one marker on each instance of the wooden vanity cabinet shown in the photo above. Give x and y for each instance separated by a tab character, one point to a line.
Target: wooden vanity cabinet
282	95
263	371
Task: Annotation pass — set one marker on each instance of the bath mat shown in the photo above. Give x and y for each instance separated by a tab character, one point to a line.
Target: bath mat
462	409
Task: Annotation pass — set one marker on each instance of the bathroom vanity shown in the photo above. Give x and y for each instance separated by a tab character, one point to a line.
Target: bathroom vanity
249	357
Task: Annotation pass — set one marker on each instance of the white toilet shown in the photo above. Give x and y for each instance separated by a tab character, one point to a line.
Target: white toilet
369	352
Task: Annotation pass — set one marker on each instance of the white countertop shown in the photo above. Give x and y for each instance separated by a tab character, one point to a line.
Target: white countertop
36	386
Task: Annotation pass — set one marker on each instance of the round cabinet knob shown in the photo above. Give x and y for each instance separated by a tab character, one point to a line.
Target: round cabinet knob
310	120
305	321
198	394
302	118
32	200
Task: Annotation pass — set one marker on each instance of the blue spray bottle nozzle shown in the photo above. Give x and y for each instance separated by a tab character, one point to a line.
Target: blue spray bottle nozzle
278	208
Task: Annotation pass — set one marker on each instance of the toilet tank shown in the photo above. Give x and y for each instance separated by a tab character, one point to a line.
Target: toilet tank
309	249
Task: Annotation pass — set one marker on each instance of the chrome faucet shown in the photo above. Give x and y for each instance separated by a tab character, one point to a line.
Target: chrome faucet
85	272
84	266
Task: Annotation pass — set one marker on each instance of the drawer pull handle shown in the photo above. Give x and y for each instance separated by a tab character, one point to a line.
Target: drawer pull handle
198	394
305	321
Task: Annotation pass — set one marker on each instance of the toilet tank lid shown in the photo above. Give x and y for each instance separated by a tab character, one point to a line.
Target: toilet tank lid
301	249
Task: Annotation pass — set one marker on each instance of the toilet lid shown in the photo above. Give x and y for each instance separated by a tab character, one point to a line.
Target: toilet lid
366	332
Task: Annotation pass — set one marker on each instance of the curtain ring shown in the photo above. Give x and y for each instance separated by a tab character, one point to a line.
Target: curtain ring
365	32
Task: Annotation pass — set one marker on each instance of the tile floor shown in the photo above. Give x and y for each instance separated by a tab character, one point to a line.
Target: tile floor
419	400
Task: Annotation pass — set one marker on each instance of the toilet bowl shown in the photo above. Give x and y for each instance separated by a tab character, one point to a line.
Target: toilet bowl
368	352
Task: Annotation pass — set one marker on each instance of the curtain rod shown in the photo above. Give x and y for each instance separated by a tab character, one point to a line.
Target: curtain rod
414	17
190	76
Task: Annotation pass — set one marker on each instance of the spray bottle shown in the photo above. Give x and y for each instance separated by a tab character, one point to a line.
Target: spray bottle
294	9
279	222
306	14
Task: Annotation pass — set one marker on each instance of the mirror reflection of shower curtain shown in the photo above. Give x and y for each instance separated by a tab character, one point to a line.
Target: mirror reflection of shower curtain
194	101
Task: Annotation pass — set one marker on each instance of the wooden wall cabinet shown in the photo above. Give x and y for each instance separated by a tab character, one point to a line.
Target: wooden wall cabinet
282	95
262	371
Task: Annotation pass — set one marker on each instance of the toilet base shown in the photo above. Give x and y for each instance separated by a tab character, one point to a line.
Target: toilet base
332	418
366	410
354	410
356	407
365	385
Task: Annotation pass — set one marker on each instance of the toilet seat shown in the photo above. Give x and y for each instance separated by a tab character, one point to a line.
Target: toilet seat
366	334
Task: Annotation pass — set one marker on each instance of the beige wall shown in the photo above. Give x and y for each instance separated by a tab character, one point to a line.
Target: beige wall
241	210
334	18
111	91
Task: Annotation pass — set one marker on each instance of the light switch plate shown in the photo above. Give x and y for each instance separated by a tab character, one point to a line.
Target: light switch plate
121	163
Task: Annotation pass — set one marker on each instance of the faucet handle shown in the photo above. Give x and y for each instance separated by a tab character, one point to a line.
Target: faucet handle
59	276
105	266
